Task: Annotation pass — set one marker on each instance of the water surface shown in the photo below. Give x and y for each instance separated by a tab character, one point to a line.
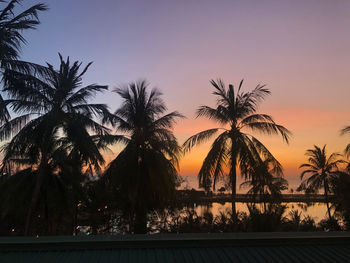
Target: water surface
317	211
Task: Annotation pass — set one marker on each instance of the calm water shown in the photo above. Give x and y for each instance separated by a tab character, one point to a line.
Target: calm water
317	210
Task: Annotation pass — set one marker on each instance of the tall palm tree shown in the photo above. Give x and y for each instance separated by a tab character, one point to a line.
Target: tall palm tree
235	111
322	170
48	106
145	172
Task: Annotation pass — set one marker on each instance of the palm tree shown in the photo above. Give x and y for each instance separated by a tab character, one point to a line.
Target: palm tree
50	105
61	190
340	187
342	132
11	38
322	170
145	172
11	27
17	191
236	112
266	182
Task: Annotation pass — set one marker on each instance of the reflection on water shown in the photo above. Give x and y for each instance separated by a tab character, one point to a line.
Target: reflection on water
316	210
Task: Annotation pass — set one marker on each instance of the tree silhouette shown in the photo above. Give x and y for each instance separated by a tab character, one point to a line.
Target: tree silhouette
236	112
11	38
346	130
322	170
266	182
145	172
53	199
12	26
51	104
341	186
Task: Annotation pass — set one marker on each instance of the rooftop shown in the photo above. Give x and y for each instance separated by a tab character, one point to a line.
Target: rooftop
227	247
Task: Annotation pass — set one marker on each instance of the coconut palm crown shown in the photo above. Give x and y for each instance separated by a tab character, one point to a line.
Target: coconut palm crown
11	38
235	111
12	26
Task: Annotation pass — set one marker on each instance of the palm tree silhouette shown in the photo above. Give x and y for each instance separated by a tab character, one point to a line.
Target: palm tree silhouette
17	191
322	170
266	182
236	112
346	130
50	105
61	189
11	38
145	171
11	27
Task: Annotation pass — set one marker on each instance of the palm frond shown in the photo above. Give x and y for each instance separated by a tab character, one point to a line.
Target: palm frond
219	114
11	127
102	141
309	166
268	156
85	93
198	139
220	90
4	113
345	130
270	128
256	118
25	67
11	26
214	162
98	110
167	120
347	150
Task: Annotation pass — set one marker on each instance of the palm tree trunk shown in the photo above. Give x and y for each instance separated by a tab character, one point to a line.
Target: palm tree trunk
47	219
233	176
141	221
75	223
326	198
33	203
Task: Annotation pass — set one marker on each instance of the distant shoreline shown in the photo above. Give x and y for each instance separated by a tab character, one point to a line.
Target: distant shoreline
199	197
191	182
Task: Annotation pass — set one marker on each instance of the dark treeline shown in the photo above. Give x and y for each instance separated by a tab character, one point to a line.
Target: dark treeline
54	179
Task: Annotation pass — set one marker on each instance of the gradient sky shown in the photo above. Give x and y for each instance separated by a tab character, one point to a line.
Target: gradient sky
300	49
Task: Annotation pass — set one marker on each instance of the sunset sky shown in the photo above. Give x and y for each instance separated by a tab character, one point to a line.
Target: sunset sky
300	49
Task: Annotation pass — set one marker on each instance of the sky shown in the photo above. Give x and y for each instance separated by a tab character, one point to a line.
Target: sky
299	49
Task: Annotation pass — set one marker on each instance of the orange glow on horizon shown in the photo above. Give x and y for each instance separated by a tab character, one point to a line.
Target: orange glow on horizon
309	127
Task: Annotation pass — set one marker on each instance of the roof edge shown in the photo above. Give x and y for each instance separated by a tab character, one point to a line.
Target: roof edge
172	240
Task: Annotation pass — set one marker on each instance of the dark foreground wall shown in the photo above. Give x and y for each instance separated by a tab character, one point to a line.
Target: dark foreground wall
240	247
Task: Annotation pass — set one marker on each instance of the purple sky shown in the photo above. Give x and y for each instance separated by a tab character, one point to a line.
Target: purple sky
300	49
